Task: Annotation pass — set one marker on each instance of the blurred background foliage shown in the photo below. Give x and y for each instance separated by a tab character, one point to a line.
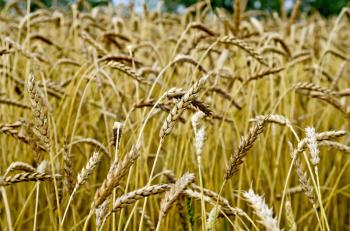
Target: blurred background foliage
325	7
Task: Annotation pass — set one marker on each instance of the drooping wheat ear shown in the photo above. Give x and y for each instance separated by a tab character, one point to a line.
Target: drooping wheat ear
181	105
94	142
139	194
220	200
334	102
227	209
14	103
302	175
246	143
27	176
314	87
39	112
211	195
68	168
20	49
305	182
320	137
312	145
273	49
127	70
202	27
291	225
93	42
180	58
175	191
115	176
262	210
19	166
263	73
330	135
82	177
226	95
148	221
213	215
274	118
229	39
10	129
341	147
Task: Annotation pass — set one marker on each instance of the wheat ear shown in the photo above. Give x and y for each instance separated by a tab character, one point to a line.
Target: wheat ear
181	105
82	177
245	145
113	178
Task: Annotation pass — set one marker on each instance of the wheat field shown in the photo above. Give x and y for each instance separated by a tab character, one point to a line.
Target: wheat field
204	120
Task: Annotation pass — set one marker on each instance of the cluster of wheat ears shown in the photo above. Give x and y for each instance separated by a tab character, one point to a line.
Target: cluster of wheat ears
112	120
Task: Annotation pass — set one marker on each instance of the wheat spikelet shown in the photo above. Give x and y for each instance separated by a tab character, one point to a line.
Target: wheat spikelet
127	70
202	27
334	102
139	194
241	44
263	73
262	210
19	166
209	194
274	50
87	170
148	220
180	58
311	142
335	145
226	95
302	175
181	105
9	129
305	182
92	142
38	109
68	168
213	215
182	211
246	143
25	52
291	225
101	213
314	87
273	118
173	194
93	42
113	178
26	177
226	209
14	103
82	177
330	135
